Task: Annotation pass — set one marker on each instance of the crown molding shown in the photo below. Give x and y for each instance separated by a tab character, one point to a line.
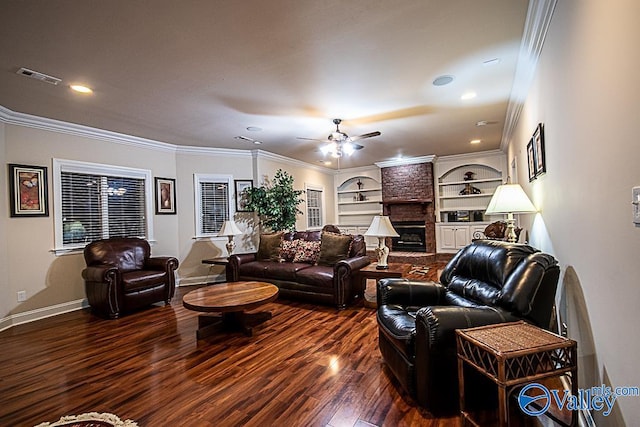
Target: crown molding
212	151
407	161
261	154
43	123
473	156
536	26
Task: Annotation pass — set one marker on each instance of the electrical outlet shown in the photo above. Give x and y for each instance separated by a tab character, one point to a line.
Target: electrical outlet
22	296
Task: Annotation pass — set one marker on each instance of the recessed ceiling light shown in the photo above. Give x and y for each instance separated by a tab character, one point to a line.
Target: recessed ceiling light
81	88
442	80
475	141
254	129
468	95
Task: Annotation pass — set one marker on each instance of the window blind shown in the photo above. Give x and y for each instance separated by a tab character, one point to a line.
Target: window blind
214	205
314	208
97	207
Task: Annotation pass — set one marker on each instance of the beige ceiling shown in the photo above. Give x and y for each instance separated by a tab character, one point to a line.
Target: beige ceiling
199	73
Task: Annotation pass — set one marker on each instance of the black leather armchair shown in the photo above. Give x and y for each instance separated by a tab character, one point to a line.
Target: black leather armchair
486	282
121	276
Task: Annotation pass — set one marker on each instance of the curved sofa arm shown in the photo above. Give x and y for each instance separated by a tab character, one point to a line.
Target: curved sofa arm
409	292
437	324
161	263
100	274
235	260
344	275
350	265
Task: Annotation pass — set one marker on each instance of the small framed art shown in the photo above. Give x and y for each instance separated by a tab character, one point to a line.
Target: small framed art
165	196
538	148
242	196
28	190
531	160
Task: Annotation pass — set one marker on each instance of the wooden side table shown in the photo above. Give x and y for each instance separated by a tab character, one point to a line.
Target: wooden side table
513	355
219	261
370	272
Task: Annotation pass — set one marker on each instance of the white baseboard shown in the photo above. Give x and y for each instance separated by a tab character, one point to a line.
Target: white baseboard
201	280
41	313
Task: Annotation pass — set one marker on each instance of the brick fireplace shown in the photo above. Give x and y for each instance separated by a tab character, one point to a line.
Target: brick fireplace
407	197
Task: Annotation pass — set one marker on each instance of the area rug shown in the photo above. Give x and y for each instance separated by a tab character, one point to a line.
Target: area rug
91	419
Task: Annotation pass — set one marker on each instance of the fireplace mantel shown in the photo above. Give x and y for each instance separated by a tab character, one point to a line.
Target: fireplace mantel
422	202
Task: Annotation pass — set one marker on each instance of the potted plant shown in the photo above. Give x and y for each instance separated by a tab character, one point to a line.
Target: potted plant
276	202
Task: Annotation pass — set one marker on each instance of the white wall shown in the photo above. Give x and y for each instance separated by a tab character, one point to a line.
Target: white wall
586	92
26	258
302	173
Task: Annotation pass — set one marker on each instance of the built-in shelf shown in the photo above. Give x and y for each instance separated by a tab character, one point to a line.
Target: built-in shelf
360	191
467	196
460	216
359	213
473	181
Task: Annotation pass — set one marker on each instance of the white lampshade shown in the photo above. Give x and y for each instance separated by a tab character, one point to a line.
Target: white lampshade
509	198
229	228
381	227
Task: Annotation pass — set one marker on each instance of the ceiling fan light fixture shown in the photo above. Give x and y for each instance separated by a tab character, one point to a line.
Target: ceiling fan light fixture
348	148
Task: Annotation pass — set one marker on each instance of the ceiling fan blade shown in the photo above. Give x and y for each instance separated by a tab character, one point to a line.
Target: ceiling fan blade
312	139
366	135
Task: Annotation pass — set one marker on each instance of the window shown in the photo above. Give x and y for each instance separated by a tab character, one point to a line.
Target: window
314	207
96	201
213	203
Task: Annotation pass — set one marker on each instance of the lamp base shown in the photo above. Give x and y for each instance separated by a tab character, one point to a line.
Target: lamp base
382	267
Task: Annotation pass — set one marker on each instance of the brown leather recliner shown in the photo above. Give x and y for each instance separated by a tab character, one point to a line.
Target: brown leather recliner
122	276
485	283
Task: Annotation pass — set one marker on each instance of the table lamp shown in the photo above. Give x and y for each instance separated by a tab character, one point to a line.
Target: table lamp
381	228
509	199
229	229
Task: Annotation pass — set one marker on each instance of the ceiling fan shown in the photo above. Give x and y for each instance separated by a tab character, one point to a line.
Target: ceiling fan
339	143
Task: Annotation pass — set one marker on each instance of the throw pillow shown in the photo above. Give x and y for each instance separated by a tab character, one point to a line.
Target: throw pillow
269	248
288	250
307	251
333	248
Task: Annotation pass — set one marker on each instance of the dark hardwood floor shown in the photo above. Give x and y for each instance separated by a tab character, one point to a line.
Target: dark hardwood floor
308	366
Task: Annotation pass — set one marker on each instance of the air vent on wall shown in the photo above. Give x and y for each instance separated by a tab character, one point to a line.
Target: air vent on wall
38	76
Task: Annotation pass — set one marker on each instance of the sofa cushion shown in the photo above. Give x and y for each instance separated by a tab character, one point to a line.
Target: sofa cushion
284	270
143	279
307	251
288	250
333	248
399	325
317	275
269	247
254	269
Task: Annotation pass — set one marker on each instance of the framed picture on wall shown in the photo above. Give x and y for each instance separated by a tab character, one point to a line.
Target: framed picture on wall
28	190
538	148
242	196
531	160
165	196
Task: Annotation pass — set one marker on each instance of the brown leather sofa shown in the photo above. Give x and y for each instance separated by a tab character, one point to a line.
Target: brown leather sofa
327	284
485	283
122	276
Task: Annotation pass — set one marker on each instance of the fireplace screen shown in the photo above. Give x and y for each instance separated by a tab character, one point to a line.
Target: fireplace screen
412	237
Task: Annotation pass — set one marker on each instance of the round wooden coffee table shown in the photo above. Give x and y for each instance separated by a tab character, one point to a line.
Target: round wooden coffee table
231	299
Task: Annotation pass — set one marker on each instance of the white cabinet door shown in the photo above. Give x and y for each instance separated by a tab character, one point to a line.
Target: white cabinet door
453	237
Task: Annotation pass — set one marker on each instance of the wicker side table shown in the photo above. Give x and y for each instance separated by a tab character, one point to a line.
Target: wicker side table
513	355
